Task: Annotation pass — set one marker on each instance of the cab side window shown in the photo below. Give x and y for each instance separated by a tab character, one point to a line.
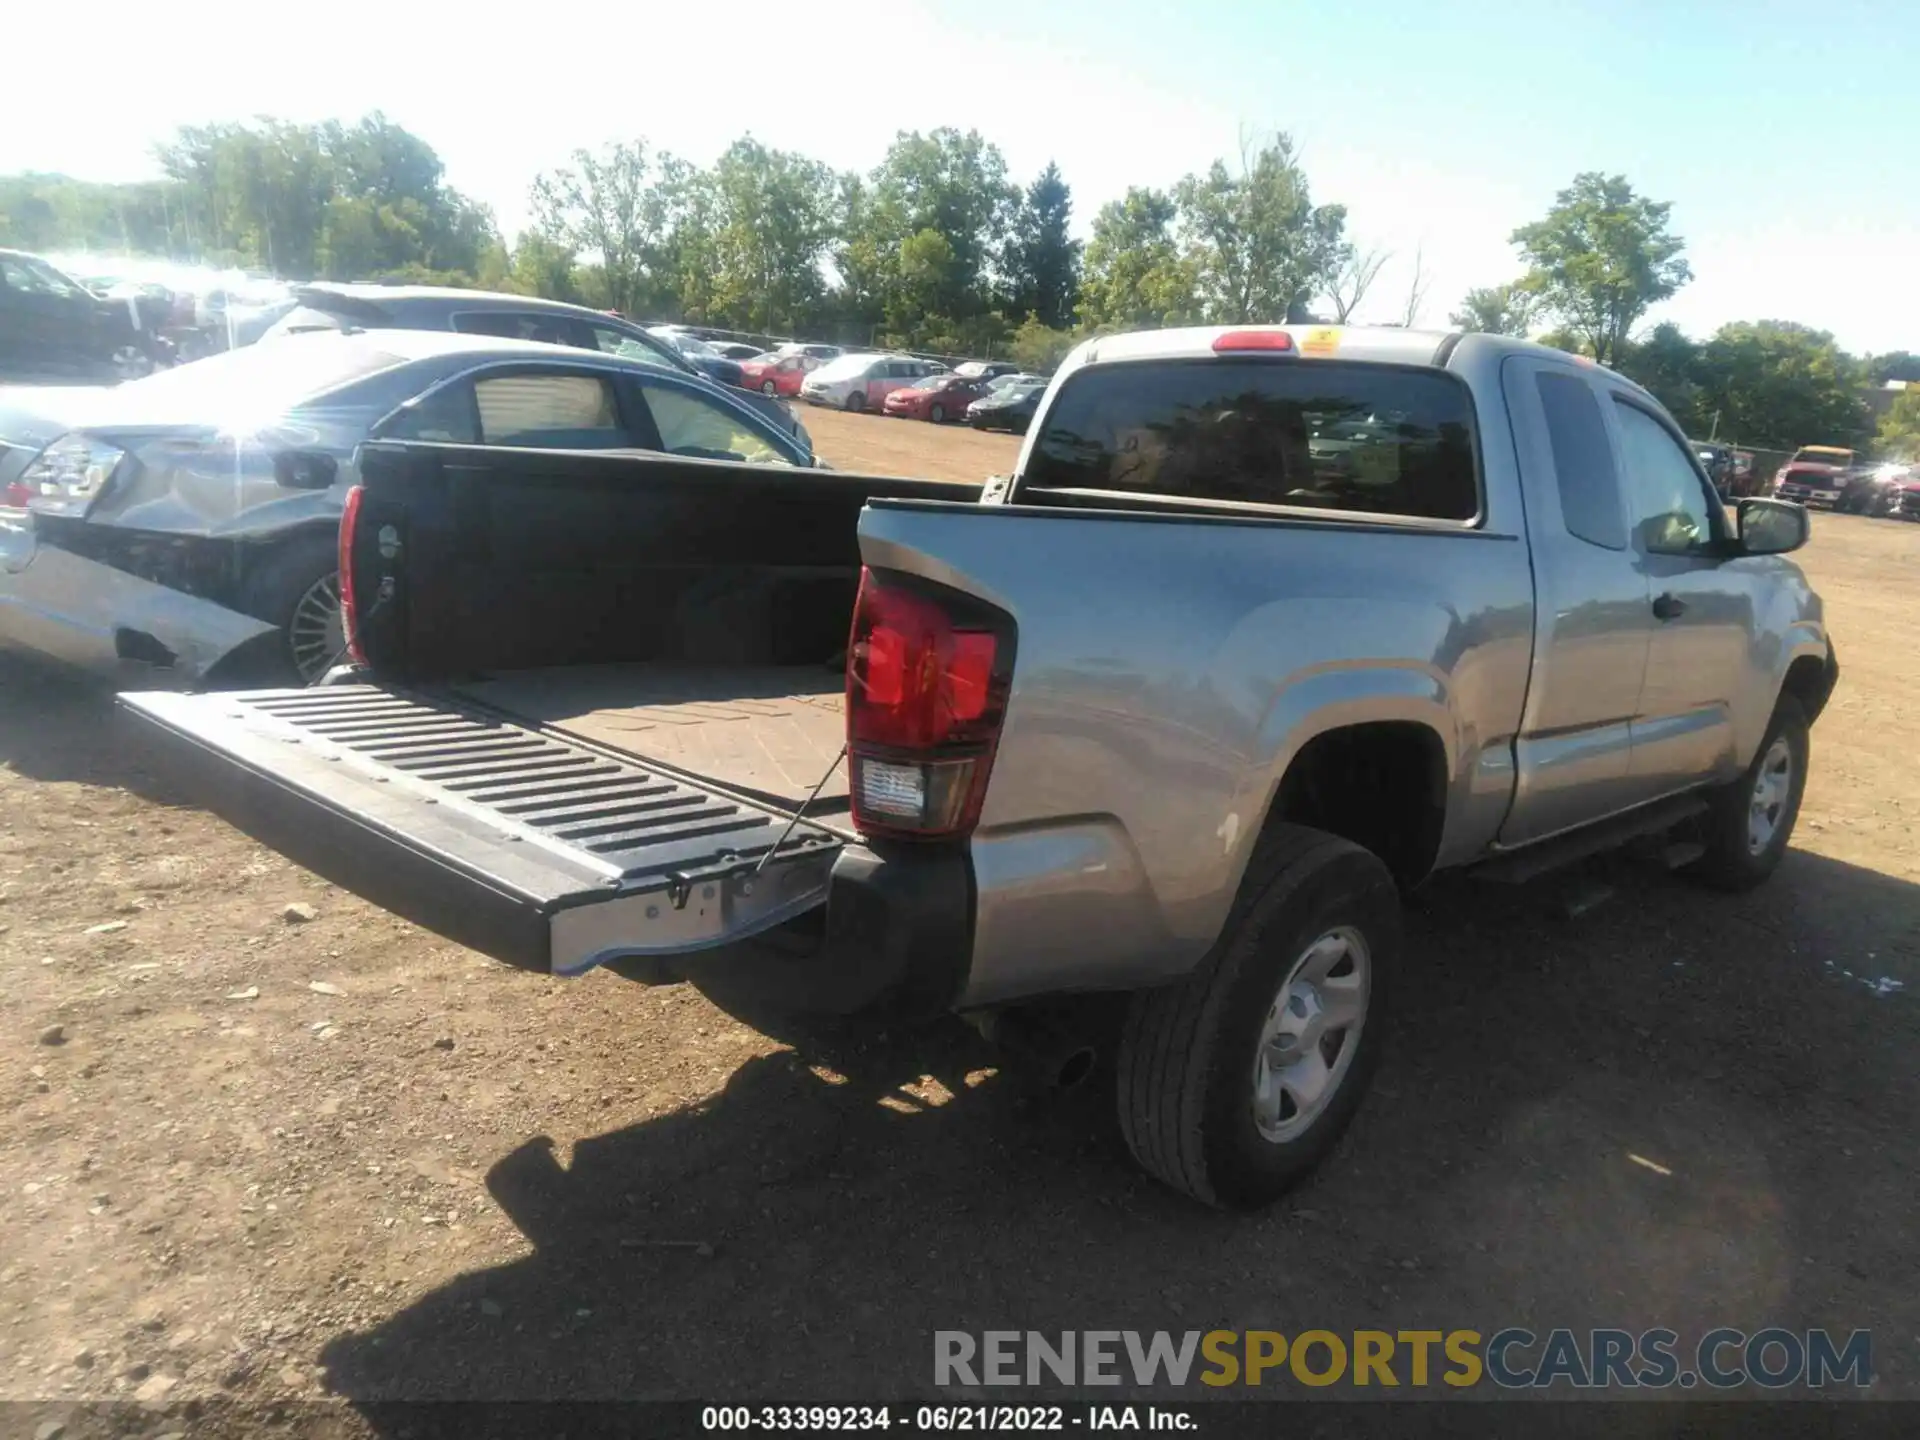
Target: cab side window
1667	501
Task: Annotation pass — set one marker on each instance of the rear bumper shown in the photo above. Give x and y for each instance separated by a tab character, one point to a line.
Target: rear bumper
108	623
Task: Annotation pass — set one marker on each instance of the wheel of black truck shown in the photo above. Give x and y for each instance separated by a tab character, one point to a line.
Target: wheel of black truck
1750	821
297	588
1235	1082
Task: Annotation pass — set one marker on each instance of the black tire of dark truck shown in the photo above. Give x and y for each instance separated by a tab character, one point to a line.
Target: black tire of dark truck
1190	1070
1732	861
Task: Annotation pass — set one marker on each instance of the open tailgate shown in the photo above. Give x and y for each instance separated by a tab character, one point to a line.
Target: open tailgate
545	853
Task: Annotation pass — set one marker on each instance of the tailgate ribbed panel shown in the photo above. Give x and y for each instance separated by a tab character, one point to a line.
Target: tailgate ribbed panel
632	820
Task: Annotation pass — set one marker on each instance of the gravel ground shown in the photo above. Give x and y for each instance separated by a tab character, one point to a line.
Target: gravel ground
264	1143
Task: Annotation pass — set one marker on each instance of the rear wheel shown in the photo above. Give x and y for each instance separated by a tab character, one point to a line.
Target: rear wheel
1235	1082
297	588
938	414
857	401
1750	821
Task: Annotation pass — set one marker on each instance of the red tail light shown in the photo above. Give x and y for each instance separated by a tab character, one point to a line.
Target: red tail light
928	672
17	495
349	523
1235	340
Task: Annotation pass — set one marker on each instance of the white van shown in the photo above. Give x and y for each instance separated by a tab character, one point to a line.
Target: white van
861	382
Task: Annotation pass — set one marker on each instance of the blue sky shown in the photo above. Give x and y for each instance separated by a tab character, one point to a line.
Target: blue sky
1784	134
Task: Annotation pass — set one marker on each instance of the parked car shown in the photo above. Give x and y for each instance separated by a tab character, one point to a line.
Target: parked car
52	327
938	398
810	350
184	526
1717	461
509	317
1422	603
1010	405
863	382
777	374
736	350
986	369
1881	489
1814	476
702	356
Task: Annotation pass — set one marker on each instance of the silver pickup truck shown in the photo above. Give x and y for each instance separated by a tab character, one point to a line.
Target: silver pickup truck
1267	626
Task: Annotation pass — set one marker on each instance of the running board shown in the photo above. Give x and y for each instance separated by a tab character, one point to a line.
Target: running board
1519	866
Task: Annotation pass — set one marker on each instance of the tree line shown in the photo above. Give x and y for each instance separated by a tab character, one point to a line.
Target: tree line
939	248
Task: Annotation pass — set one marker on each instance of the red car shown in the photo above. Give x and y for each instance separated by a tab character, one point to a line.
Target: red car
938	398
776	374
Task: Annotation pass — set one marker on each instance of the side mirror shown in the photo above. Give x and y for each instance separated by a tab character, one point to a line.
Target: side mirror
305	469
1771	527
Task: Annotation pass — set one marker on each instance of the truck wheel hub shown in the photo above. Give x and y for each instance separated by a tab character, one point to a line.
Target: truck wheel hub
1310	1034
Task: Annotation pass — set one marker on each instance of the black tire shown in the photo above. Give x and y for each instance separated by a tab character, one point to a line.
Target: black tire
857	401
937	414
1187	1058
274	592
769	389
1733	862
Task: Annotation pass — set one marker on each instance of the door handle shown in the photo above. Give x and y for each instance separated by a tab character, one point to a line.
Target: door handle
1669	607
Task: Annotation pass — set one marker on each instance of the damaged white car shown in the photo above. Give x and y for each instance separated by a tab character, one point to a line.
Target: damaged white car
182	530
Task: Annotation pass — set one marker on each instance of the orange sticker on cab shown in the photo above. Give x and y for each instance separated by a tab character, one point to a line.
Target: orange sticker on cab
1320	342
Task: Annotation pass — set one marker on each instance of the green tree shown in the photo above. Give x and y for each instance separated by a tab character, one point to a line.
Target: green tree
1894	365
776	219
1495	310
949	183
1136	277
1668	364
1259	247
1043	260
1600	258
1781	385
1899	434
598	206
544	266
1039	348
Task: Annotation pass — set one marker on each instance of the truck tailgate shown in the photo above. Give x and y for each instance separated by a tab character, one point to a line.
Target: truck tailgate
543	852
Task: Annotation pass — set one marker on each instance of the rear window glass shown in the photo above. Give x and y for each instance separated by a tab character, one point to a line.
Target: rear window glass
1321	435
1582	460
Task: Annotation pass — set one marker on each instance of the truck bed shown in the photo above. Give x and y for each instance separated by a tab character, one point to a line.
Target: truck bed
768	732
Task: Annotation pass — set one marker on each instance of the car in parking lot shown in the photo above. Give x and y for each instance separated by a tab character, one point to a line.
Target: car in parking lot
1815	475
53	328
777	374
863	382
939	398
509	317
1009	405
182	529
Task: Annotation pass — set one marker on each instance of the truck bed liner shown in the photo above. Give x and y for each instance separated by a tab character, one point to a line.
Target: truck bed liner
769	731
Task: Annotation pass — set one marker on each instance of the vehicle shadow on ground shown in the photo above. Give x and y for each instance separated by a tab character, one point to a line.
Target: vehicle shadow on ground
1673	1110
61	727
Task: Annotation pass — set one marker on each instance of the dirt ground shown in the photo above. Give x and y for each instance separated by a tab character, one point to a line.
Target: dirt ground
272	1160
